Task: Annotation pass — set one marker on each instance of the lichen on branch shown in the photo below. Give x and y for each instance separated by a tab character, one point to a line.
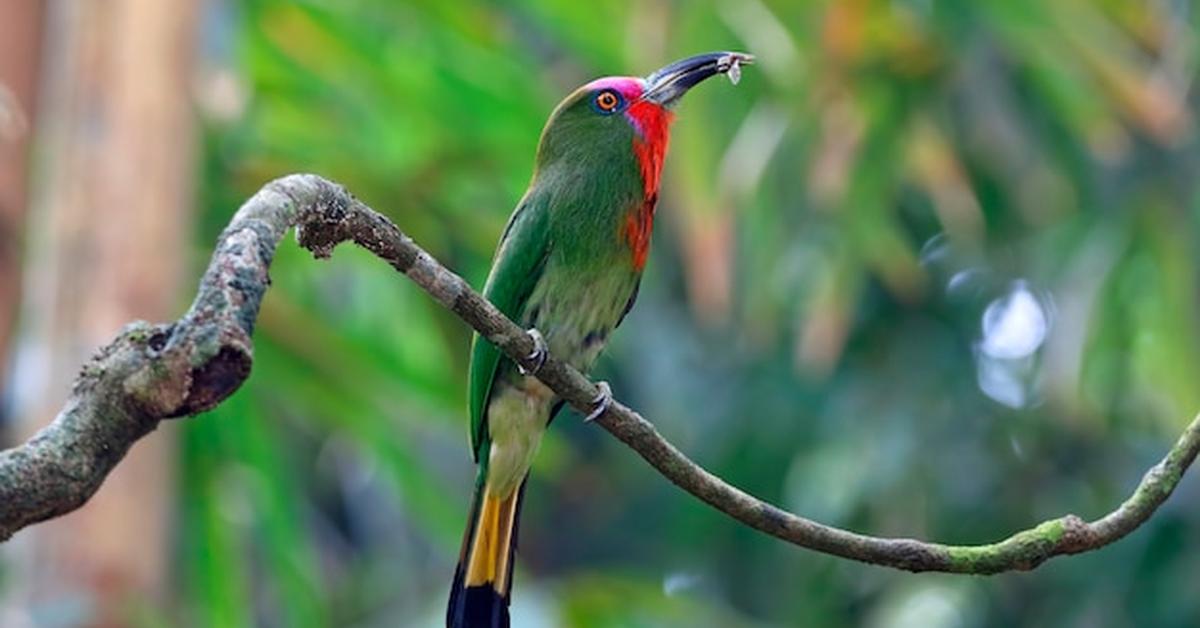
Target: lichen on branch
155	372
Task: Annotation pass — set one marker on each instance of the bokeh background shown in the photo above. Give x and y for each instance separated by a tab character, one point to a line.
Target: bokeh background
930	270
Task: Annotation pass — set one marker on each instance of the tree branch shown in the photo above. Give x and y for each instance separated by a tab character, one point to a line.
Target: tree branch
154	372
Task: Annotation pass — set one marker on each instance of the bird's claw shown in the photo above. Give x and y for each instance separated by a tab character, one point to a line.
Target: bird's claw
538	356
601	403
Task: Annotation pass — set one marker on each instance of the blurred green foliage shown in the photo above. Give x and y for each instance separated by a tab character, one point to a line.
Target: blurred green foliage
930	271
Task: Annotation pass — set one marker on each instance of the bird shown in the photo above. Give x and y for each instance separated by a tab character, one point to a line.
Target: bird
567	269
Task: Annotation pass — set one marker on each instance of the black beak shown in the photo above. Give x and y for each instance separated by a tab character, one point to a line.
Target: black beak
669	84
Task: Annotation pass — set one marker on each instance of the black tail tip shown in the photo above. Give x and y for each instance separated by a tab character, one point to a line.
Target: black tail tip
477	607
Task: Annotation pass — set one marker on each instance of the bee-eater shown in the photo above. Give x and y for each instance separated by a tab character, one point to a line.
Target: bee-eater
567	268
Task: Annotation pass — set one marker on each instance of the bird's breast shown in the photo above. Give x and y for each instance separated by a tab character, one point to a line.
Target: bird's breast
637	229
576	309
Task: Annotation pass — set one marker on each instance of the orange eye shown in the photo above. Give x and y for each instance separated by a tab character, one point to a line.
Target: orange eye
607	101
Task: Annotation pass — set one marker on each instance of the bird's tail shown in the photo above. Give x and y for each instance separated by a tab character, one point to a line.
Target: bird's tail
480	594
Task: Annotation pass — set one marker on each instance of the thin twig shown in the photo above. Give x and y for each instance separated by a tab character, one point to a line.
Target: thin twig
150	373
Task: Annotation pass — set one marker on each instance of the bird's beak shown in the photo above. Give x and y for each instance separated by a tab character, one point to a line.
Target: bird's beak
666	86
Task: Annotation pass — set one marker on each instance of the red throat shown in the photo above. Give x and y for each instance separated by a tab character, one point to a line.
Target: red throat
652	123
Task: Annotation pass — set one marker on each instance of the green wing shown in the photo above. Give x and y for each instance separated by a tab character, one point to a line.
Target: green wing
519	260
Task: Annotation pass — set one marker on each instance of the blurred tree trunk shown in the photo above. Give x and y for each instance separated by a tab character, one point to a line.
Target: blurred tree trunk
20	40
107	245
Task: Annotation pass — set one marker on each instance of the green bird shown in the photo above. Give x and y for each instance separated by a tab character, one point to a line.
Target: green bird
567	268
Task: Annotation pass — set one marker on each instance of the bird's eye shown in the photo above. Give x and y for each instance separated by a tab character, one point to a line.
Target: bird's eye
607	101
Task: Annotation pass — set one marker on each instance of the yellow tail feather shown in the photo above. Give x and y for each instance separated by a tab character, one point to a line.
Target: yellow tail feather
488	562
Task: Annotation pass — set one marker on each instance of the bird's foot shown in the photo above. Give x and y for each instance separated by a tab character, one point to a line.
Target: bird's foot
601	403
538	356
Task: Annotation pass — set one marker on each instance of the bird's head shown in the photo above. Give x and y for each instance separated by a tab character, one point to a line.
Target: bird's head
618	126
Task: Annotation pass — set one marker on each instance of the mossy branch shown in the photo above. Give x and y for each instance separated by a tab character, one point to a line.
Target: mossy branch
155	372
